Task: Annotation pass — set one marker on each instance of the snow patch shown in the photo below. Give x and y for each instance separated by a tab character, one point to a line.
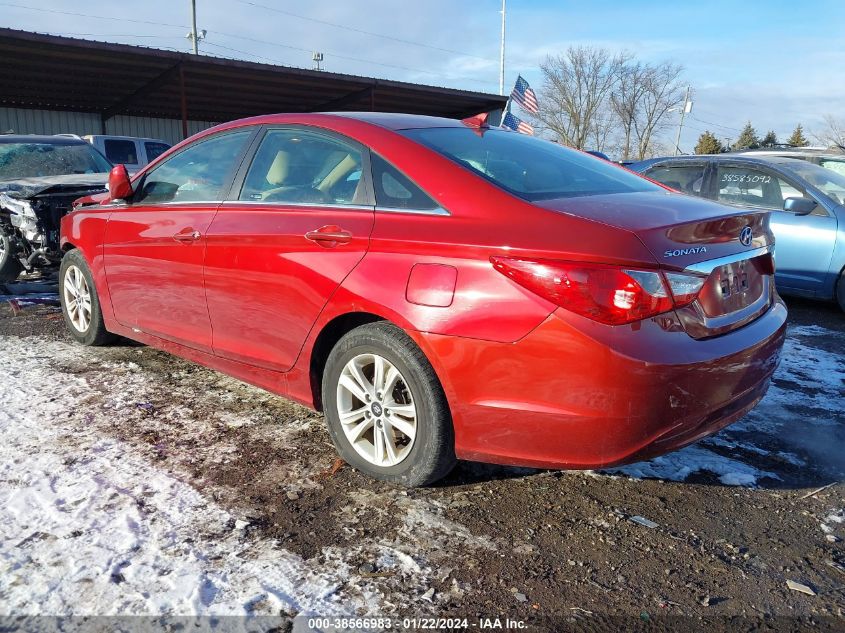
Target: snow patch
805	397
90	527
678	466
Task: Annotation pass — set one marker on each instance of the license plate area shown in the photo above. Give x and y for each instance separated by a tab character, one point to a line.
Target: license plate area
733	280
732	287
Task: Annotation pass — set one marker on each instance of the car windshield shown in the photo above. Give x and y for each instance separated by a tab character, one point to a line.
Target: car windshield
834	164
33	160
527	167
827	180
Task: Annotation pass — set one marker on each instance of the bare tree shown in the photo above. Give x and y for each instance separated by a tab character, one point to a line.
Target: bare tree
626	101
594	99
576	88
602	130
833	133
662	92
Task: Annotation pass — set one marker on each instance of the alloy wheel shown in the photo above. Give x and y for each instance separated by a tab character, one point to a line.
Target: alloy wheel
77	298
376	410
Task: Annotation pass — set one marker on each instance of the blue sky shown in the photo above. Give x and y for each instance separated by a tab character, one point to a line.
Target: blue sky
774	62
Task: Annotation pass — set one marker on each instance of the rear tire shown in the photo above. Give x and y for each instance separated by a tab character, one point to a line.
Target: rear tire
80	303
840	291
396	425
10	265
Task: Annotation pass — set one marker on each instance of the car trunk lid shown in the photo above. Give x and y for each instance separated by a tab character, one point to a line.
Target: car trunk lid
730	250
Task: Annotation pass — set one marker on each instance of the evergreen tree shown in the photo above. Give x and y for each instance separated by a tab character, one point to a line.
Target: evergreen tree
798	139
708	144
747	138
770	139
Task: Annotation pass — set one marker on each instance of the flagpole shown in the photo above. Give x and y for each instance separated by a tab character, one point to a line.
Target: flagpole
502	55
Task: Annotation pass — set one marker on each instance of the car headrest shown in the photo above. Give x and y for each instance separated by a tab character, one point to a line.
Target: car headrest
279	169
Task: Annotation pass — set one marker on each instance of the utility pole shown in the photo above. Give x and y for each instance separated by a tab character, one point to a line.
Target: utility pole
687	107
502	55
194	27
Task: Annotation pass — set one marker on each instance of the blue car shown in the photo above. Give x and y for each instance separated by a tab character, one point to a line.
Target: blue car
807	203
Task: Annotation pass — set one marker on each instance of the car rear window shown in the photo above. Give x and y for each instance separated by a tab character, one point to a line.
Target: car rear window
528	167
686	178
121	152
154	150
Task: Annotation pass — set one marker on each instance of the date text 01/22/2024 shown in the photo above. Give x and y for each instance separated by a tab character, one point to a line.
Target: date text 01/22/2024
414	624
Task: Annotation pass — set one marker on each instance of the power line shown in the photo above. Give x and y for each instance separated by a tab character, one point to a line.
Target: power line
726	127
346	57
242	37
362	31
88	15
65	34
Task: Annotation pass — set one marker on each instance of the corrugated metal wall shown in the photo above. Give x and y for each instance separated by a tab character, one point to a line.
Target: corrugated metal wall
169	130
24	121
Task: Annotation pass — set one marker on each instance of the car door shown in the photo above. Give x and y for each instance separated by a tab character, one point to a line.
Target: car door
155	243
687	176
803	243
297	222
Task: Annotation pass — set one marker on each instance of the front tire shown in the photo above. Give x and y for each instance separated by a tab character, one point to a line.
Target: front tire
10	265
840	291
80	303
386	410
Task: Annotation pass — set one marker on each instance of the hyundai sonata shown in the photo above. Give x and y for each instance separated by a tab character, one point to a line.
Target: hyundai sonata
439	289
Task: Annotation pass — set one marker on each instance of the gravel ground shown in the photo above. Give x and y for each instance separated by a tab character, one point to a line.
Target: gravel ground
133	482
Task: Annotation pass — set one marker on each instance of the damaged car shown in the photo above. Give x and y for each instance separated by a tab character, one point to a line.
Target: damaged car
40	177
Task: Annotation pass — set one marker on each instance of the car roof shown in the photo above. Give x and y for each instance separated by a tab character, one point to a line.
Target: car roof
793	165
117	137
42	139
398	121
810	149
387	120
790	153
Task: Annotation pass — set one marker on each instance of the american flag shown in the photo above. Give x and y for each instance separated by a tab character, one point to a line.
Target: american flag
515	123
524	96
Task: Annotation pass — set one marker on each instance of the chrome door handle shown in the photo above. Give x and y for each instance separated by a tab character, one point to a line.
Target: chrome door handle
329	236
187	237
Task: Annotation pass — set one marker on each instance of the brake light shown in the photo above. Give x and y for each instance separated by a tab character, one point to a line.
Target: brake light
609	294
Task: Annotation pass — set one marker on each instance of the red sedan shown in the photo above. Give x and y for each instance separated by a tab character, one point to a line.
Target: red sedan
439	289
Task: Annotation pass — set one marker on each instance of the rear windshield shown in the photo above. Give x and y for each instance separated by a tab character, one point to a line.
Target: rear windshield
32	160
528	167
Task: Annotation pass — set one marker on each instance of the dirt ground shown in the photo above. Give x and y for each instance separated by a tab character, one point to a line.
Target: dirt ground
547	548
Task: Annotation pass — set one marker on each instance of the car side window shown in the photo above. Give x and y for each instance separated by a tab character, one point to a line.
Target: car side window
197	174
394	190
297	166
746	186
121	151
684	178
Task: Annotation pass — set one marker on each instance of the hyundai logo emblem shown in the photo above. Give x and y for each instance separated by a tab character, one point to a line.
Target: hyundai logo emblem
745	236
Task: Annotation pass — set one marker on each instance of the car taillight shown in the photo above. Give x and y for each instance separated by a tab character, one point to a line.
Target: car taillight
684	287
609	294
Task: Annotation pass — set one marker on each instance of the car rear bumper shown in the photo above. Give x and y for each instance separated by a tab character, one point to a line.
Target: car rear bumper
577	394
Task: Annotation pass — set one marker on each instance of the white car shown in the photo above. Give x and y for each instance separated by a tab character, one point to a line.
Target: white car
131	151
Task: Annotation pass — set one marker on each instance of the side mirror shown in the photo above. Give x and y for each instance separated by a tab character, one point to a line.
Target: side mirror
799	206
119	186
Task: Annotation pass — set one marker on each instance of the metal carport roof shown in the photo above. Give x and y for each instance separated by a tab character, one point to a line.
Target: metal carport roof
62	73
